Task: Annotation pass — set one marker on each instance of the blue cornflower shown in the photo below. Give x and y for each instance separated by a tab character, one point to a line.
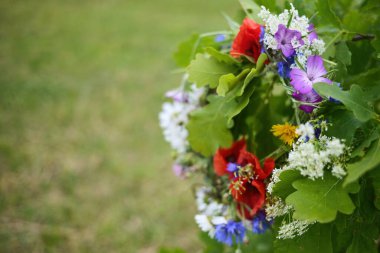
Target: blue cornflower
262	34
283	67
260	223
220	38
230	232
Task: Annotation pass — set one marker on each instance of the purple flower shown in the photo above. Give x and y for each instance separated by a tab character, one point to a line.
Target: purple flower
179	170
312	97
177	95
225	233
303	81
262	35
312	35
260	223
284	37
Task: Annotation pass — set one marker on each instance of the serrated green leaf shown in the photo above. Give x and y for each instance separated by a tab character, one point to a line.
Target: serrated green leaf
221	57
205	70
320	199
208	129
284	187
316	240
226	83
354	99
326	14
370	161
343	53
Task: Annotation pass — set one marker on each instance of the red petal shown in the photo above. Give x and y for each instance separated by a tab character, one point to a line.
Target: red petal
247	41
223	156
252	200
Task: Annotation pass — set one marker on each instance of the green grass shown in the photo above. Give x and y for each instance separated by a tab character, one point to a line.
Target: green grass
83	164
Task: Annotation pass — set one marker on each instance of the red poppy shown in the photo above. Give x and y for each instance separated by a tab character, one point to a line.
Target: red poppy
247	158
224	156
247	41
250	197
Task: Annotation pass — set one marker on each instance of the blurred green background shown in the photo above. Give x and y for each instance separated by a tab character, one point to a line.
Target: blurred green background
83	164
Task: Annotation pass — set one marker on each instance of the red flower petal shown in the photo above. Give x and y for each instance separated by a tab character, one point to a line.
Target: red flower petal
224	156
247	41
250	198
248	158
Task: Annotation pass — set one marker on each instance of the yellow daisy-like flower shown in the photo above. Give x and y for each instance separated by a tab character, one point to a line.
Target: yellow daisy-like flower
286	132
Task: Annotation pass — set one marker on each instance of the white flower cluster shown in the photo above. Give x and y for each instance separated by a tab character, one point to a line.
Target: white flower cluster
207	224
207	205
297	22
175	115
311	156
211	213
274	179
293	229
276	207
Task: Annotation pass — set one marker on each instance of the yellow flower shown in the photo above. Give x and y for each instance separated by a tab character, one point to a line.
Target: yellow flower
286	132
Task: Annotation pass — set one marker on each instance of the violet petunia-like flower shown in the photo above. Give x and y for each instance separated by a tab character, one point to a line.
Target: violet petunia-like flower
303	81
311	98
284	38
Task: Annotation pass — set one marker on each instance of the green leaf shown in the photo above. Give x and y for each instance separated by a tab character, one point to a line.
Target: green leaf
364	239
326	14
354	99
343	53
226	83
375	176
370	161
255	72
251	9
221	57
208	127
372	134
229	82
343	119
207	70
316	240
320	199
182	56
284	187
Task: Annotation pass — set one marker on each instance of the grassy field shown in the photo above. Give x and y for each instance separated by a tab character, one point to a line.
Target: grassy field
83	164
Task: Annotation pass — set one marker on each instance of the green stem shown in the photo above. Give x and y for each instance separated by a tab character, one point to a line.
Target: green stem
335	38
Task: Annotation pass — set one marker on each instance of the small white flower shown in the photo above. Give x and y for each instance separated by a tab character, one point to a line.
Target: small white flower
205	224
275	208
306	132
338	171
293	229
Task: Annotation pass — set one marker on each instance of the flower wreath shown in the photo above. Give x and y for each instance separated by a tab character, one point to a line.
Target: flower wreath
286	140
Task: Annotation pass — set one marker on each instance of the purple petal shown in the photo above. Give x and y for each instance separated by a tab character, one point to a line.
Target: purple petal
177	95
315	67
287	49
311	97
312	35
300	81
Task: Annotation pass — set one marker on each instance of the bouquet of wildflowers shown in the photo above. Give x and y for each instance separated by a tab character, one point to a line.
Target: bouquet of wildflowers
280	116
